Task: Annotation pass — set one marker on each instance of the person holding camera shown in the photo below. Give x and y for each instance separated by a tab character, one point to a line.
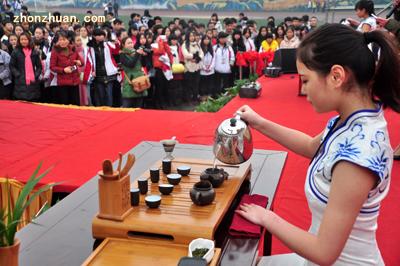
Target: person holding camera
192	54
65	61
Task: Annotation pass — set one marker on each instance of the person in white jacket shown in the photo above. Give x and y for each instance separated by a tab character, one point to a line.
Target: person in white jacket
207	72
224	61
290	41
248	41
192	55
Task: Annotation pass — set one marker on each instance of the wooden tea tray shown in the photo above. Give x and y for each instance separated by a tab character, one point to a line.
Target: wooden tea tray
178	219
114	251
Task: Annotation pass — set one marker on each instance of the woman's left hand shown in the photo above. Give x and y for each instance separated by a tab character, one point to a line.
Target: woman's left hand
254	213
78	62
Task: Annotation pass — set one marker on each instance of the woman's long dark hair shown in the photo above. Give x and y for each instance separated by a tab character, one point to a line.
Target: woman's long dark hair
187	38
368	5
283	29
238	45
336	44
207	48
259	39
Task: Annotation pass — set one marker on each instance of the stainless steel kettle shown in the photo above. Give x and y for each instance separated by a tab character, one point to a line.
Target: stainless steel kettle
233	143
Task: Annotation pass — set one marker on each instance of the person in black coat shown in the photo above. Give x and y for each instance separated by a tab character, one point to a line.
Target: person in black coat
28	90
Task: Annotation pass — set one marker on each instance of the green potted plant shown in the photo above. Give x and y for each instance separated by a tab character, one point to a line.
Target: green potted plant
9	220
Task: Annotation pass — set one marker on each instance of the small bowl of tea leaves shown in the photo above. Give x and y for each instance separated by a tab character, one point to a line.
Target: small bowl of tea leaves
202	248
199	252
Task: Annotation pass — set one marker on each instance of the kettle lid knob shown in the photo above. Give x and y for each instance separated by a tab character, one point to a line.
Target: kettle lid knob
233	122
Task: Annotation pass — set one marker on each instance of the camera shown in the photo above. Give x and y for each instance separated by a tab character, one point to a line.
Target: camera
196	57
74	68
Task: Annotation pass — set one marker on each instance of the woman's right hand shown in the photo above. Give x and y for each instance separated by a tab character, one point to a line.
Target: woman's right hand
68	70
250	116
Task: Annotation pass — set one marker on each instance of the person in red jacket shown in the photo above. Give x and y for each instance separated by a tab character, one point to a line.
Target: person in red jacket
65	61
162	63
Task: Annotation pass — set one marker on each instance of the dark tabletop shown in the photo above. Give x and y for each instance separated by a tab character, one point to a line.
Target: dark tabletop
63	235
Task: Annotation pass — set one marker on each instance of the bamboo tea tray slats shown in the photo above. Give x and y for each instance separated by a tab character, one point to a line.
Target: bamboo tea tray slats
140	252
177	219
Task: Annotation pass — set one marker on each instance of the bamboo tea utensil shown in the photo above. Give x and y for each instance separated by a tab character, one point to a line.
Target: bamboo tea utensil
108	172
128	165
107	167
119	164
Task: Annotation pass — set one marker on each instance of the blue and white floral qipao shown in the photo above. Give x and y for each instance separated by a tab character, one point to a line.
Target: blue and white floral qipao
361	139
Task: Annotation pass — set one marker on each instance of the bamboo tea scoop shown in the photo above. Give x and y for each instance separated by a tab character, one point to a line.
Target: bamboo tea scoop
128	165
119	162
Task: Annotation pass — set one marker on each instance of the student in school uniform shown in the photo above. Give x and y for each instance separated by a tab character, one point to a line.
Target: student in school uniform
193	55
207	72
224	61
175	85
238	46
248	41
102	68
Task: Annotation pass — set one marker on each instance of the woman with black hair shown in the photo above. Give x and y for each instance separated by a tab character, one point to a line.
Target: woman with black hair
26	69
65	62
364	10
280	33
351	159
262	36
192	54
146	18
157	30
207	72
130	61
217	23
133	33
238	46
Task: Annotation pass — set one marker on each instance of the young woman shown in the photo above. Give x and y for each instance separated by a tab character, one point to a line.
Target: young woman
269	44
26	69
133	32
12	43
238	46
364	10
217	23
65	62
351	159
18	30
84	36
161	51
280	34
193	55
262	36
290	40
146	57
84	94
130	61
224	61
175	85
248	41
207	72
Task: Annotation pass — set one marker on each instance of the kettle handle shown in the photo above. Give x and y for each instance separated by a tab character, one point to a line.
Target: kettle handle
198	196
238	116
